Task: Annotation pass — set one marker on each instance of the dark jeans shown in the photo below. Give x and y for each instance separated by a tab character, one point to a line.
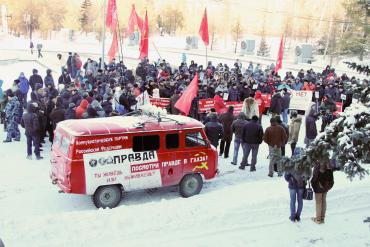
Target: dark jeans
292	146
237	143
224	149
296	195
39	53
283	150
36	143
246	150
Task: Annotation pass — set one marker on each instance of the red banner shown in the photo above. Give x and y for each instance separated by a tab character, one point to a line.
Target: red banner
205	105
237	106
160	102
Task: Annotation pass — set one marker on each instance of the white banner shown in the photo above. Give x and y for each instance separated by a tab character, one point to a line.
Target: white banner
300	100
134	170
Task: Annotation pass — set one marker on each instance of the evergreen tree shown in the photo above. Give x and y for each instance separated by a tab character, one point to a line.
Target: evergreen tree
85	15
346	141
355	39
264	49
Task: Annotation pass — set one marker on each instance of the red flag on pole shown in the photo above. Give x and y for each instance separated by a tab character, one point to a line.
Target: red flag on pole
184	102
111	19
279	60
114	47
134	20
144	42
203	29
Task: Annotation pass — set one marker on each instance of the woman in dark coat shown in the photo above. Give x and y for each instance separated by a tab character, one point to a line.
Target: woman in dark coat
322	181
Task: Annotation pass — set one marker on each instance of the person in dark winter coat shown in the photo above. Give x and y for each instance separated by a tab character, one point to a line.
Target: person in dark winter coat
35	79
296	184
275	137
285	103
233	94
275	106
30	121
108	105
214	130
327	109
49	78
64	78
226	120
174	98
70	113
237	128
12	117
311	129
58	113
322	181
252	138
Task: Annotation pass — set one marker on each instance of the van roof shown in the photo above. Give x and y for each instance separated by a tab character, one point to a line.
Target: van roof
126	124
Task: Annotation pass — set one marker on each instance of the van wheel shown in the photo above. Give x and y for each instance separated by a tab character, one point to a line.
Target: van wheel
191	185
107	196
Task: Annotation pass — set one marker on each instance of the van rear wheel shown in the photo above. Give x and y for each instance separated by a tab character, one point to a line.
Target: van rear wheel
107	196
191	185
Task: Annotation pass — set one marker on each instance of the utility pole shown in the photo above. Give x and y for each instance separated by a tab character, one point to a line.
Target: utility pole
103	36
328	37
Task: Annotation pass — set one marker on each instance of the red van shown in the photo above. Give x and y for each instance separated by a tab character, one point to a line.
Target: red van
105	156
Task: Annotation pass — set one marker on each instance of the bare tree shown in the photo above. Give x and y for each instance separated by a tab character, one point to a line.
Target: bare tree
237	32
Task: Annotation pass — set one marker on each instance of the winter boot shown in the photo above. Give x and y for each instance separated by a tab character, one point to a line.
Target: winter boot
242	167
270	175
17	140
7	140
322	220
253	169
298	218
39	158
29	157
317	221
292	219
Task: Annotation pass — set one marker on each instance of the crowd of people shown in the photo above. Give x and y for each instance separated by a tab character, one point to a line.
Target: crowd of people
94	90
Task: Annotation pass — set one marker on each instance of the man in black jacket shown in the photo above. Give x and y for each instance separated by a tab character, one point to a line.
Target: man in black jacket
214	130
252	138
34	79
30	121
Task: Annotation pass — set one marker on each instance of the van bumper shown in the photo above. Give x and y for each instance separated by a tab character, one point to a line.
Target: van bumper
56	181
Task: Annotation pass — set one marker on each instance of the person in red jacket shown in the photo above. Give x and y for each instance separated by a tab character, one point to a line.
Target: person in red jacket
219	103
261	104
81	109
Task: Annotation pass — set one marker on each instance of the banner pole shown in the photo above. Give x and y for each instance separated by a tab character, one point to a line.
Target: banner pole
206	56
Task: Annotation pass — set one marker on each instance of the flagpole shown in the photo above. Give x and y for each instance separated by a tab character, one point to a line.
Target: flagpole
206	56
120	38
103	35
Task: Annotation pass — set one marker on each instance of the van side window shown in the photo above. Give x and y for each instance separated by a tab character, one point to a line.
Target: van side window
172	141
145	143
194	139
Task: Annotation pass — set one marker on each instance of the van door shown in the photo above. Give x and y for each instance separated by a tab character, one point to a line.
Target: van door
195	152
145	169
171	163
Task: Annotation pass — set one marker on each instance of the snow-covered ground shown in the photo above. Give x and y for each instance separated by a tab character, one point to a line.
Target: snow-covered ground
238	208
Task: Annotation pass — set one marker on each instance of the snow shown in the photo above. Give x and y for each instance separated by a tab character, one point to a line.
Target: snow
238	208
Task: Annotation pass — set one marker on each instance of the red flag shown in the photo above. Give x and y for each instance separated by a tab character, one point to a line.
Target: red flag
134	20
114	46
144	42
111	20
203	29
184	102
279	60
